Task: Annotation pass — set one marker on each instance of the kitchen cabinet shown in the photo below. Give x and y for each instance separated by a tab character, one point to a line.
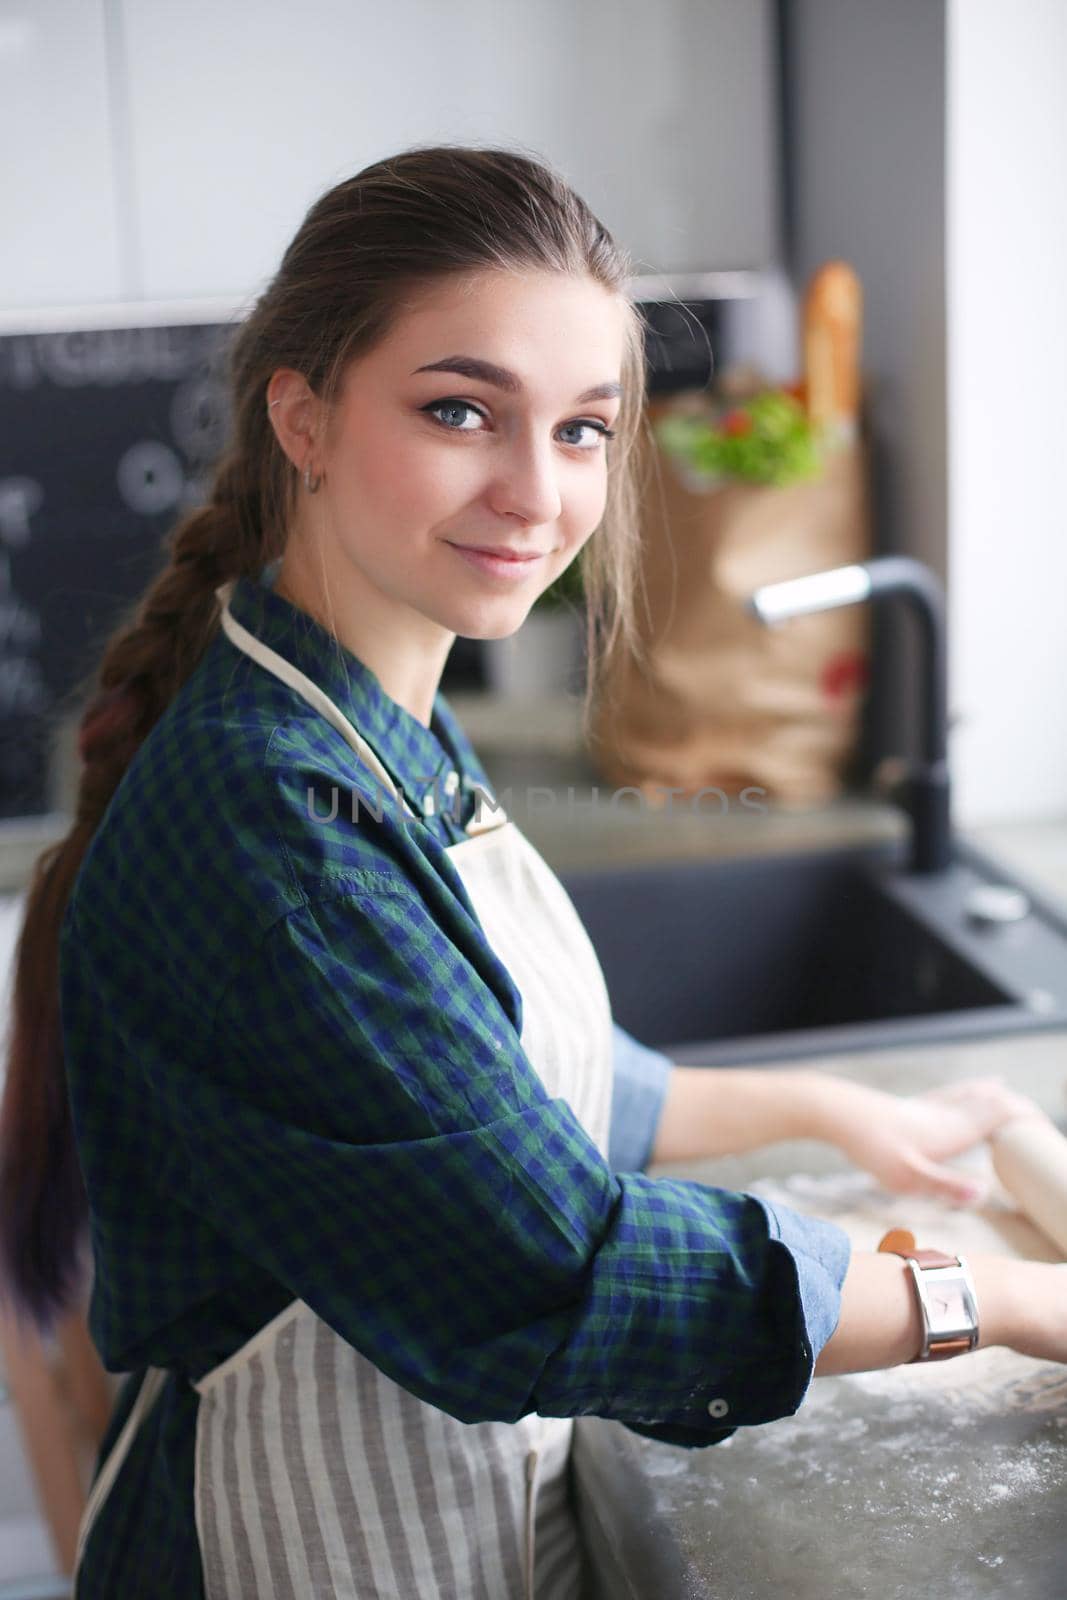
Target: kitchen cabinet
662	116
59	177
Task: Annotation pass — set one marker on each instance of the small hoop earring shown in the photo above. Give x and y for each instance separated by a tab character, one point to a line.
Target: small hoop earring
310	486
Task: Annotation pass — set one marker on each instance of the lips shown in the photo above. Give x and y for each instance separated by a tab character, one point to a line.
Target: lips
501	553
501	564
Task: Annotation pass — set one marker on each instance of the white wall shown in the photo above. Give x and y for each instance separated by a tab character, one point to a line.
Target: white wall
1007	376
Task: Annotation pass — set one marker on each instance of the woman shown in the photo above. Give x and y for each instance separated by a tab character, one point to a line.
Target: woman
339	1052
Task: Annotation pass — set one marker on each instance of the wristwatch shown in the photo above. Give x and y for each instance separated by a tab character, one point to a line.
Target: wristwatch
946	1294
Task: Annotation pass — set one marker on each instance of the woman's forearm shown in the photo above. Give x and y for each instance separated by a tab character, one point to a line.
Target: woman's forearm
880	1324
906	1142
724	1111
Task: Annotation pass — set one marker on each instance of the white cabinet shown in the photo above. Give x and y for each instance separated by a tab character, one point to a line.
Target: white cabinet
661	115
58	174
222	122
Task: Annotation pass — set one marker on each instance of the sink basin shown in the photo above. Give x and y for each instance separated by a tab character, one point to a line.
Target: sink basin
818	953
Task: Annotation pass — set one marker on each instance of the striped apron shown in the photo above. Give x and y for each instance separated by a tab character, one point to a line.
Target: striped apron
318	1476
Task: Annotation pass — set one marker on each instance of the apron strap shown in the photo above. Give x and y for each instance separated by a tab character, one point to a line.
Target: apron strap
284	669
151	1384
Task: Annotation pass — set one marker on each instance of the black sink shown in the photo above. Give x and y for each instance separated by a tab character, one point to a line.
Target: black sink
821	952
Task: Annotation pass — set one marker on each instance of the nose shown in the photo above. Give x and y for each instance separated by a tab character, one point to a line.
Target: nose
525	484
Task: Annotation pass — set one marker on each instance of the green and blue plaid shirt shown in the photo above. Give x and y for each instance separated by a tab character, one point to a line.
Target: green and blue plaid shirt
295	1070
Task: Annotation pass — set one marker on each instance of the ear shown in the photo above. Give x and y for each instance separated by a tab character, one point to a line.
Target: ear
295	414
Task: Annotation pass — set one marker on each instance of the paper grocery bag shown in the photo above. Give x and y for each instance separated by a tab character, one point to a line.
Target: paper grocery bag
722	701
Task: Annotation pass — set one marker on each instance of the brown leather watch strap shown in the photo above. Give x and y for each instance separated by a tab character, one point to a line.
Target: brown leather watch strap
900	1242
941	1349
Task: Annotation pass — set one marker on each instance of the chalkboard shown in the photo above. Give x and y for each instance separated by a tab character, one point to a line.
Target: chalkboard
107	438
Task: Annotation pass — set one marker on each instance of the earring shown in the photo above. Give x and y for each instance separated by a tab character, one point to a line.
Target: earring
310	486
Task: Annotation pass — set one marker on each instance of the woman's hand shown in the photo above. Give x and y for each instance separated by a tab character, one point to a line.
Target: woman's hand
905	1140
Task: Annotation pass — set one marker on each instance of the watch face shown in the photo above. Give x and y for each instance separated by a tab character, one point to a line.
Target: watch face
949	1301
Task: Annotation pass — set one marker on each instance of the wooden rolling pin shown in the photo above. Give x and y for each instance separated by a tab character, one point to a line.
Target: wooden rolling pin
1030	1159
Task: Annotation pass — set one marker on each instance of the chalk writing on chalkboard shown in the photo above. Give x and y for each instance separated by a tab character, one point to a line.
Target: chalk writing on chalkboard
109	435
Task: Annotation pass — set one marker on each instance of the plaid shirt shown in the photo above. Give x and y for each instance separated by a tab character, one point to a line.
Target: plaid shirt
295	1072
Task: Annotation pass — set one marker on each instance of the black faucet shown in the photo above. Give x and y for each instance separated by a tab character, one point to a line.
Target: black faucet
924	790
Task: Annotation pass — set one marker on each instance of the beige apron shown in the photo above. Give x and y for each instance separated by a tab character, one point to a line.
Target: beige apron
315	1474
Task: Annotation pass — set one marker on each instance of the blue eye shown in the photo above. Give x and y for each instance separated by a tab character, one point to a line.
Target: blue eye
454	406
597	427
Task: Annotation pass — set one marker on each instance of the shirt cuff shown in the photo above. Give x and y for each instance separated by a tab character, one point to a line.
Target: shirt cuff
638	1092
820	1252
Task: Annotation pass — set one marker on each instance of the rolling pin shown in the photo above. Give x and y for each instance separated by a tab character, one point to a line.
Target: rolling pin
1030	1159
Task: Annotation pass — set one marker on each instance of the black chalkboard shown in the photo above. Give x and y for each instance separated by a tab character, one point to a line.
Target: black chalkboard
106	439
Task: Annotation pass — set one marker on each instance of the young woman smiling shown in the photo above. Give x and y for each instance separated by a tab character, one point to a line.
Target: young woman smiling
339	1093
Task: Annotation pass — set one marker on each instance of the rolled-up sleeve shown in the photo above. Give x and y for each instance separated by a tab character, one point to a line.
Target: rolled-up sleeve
366	1127
809	1260
821	1253
638	1092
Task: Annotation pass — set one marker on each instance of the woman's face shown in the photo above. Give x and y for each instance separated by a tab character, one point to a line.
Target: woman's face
423	461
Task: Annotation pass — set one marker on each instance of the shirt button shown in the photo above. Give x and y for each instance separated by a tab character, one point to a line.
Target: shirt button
451	783
717	1408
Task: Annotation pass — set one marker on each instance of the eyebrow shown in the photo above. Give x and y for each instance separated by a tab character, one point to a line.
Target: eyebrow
501	378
